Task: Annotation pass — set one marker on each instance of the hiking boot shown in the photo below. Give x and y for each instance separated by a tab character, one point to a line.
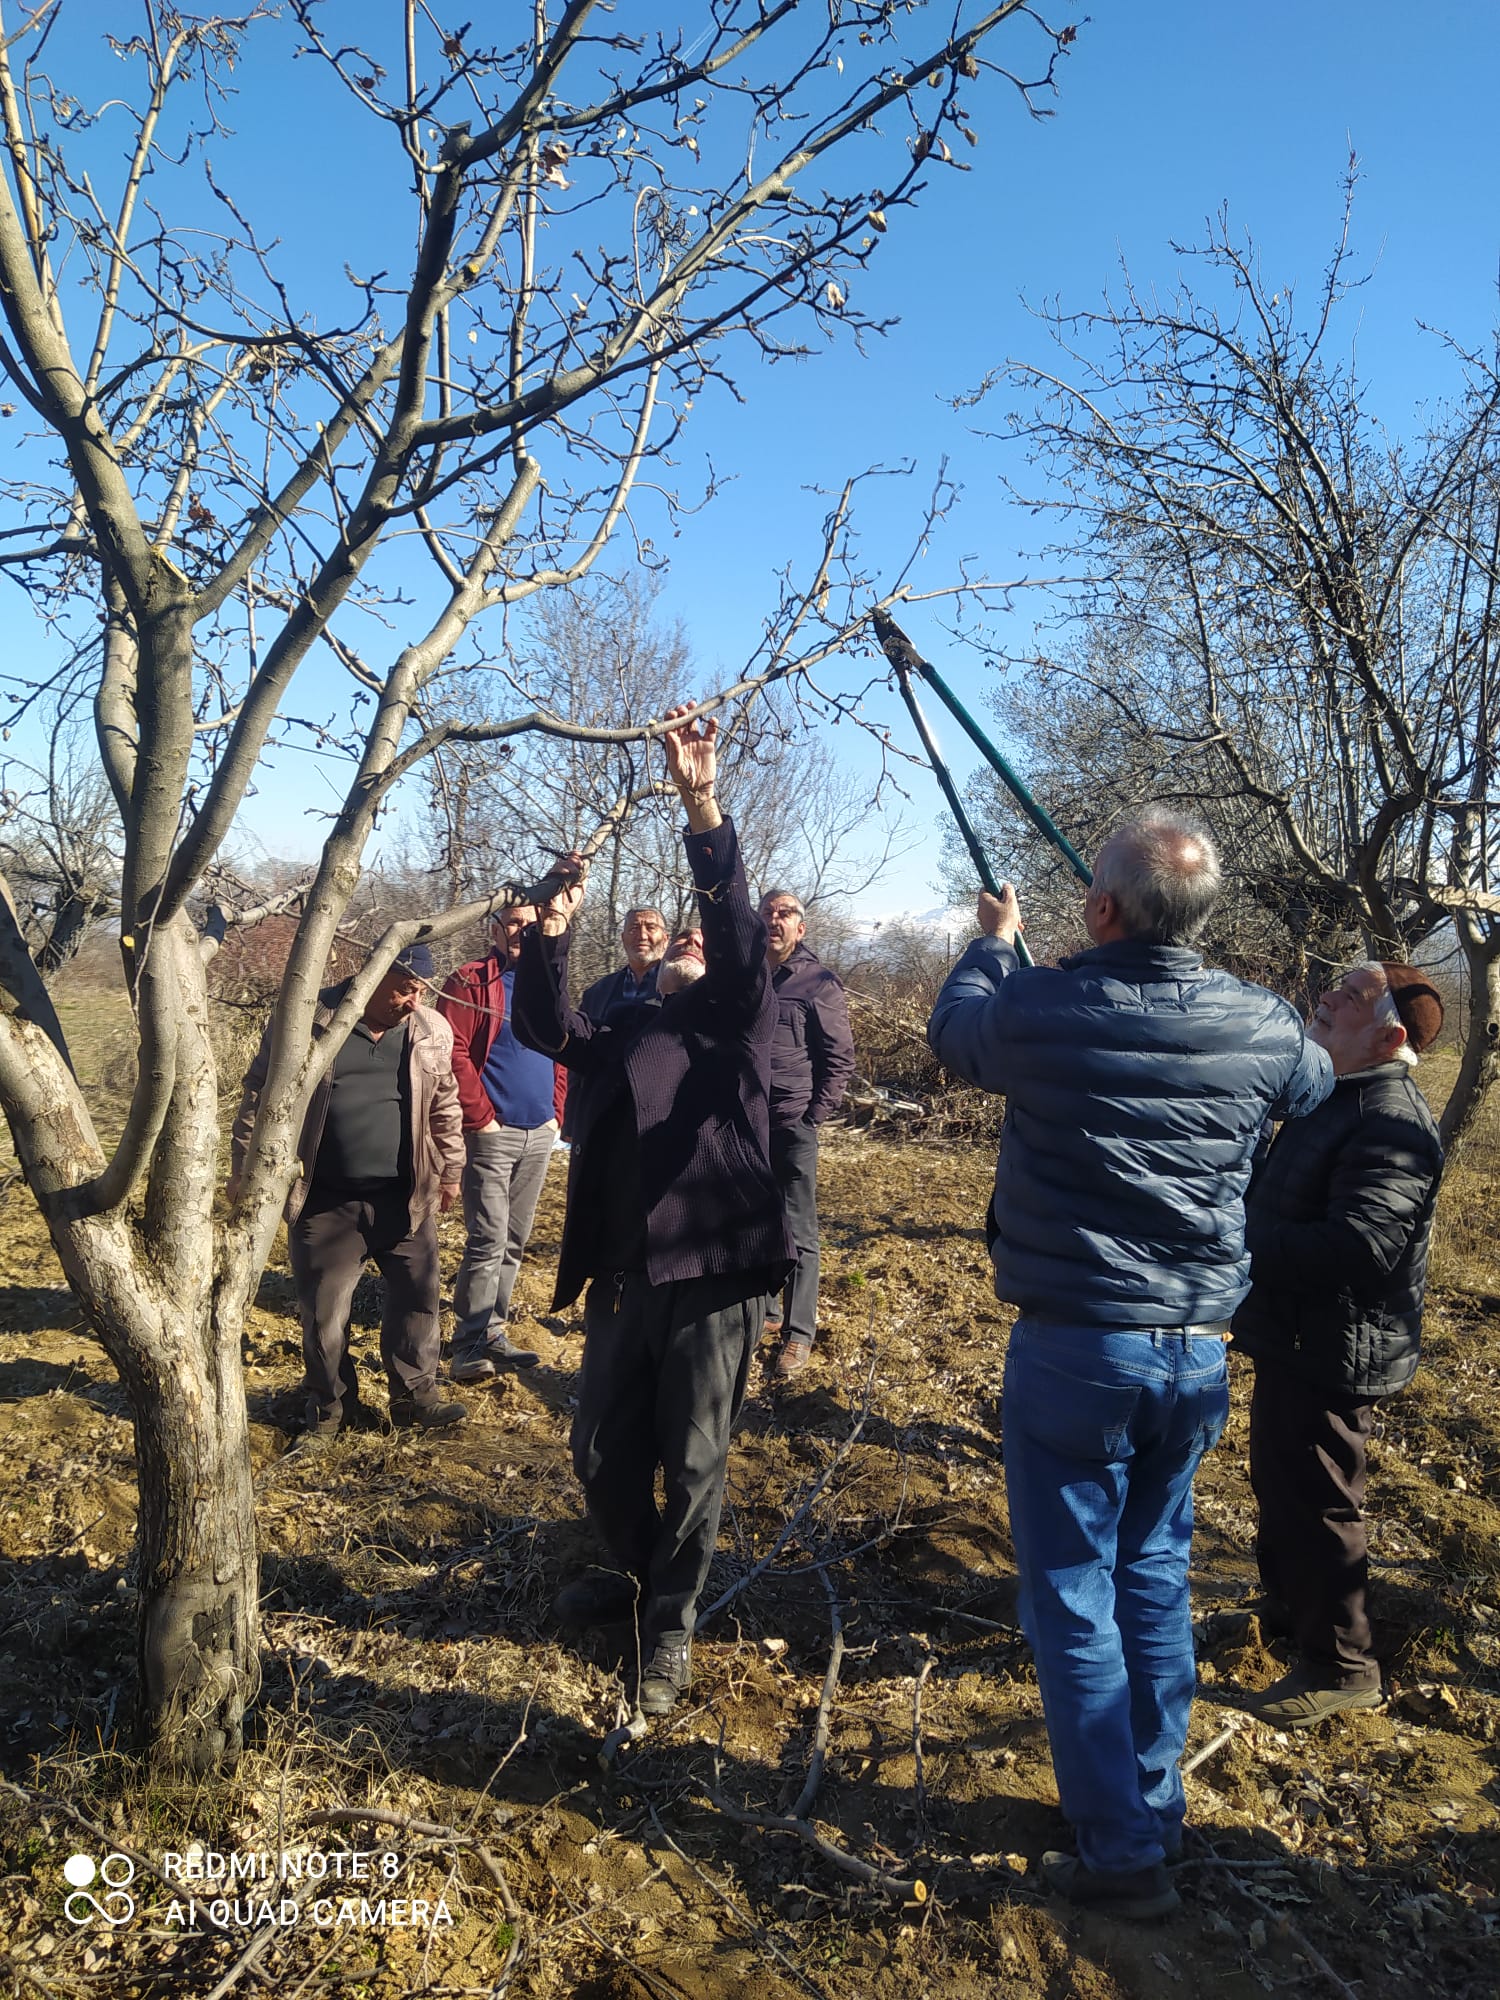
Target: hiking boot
666	1676
430	1414
1295	1701
316	1437
1138	1895
793	1358
494	1357
599	1597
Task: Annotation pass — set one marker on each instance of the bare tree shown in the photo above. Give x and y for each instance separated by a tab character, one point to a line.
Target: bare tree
59	842
233	463
1284	617
599	654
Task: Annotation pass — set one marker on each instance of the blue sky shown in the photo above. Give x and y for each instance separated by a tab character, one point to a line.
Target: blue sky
1167	110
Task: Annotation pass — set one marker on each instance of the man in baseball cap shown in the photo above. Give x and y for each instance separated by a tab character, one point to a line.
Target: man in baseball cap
382	1153
1338	1221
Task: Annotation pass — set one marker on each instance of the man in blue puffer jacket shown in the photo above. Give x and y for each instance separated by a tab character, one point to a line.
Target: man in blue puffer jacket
1137	1083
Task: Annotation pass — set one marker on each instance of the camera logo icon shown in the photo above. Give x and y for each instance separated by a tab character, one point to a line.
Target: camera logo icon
114	1874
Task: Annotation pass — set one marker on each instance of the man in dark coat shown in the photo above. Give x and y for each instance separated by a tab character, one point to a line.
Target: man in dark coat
812	1060
675	1224
1338	1224
1136	1081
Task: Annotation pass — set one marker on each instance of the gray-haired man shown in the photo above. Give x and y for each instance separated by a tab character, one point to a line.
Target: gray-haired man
1136	1081
812	1059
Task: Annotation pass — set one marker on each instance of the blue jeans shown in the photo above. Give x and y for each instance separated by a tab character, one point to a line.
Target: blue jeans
1103	1431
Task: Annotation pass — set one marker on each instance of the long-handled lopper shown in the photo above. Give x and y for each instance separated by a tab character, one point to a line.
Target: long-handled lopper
944	777
905	658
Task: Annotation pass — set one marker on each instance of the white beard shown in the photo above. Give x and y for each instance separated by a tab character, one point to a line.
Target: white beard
677	974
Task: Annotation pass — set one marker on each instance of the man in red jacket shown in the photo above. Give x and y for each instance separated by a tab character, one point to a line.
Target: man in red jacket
512	1104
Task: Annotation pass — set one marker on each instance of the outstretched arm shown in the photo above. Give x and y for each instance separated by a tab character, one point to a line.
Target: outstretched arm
692	752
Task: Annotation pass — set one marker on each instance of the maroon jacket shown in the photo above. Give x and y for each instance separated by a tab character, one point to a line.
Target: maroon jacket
473	1003
698	1072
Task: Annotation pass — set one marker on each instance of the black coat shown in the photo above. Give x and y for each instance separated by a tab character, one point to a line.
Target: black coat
605	1000
697	1069
812	1057
1338	1222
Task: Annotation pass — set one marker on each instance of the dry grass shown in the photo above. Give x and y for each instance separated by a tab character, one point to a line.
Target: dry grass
411	1667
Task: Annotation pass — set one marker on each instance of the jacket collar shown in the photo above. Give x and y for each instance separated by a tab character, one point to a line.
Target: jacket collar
1136	959
797	957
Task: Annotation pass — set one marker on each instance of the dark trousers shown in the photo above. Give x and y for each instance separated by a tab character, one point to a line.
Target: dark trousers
329	1244
794	1162
1307	1466
664	1372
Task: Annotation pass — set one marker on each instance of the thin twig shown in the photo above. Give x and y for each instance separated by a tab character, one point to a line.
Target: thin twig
251	1955
911	1890
920	1780
1299	1939
430	1830
1225	1735
743	1583
824	1722
761	1937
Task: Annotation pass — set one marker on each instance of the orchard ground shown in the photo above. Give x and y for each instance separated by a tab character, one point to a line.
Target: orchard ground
419	1701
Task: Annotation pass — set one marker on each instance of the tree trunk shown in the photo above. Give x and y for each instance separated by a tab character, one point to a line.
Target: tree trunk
1481	1058
144	1278
198	1568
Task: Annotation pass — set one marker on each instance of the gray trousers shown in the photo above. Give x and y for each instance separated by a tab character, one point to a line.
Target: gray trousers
664	1372
794	1162
503	1177
329	1245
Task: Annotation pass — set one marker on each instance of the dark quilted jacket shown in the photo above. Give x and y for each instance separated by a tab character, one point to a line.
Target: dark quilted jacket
697	1069
1137	1082
1339	1220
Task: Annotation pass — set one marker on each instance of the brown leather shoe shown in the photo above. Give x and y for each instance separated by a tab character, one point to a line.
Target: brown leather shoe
793	1358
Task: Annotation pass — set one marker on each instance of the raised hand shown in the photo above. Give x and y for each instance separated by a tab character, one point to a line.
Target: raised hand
692	751
692	755
1000	916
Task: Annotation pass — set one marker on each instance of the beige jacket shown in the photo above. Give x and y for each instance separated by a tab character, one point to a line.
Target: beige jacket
436	1135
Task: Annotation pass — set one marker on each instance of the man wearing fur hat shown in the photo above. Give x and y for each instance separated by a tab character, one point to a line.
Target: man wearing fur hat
382	1154
1338	1219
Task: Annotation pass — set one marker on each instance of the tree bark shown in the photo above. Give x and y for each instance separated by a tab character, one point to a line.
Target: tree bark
144	1278
1481	1058
199	1572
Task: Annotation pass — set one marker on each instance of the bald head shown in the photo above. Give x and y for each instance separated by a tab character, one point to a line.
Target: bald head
1156	878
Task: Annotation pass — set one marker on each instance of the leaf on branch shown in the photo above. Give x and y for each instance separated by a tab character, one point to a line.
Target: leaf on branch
554	154
969	66
833	293
876	220
1067	37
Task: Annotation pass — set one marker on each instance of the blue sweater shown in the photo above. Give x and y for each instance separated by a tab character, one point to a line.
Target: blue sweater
1137	1084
